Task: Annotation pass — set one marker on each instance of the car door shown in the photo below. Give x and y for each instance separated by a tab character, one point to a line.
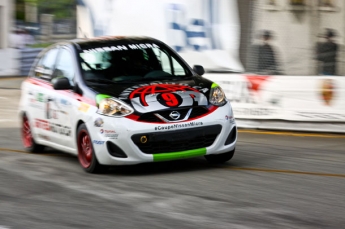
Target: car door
39	90
62	102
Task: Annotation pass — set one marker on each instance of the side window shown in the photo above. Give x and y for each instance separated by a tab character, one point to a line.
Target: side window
44	68
165	62
64	66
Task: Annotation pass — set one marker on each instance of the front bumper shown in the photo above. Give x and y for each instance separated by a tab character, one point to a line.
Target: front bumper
148	142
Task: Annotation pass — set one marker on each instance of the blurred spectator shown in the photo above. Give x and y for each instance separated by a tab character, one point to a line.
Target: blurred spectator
263	56
17	39
20	38
28	38
326	3
297	2
326	53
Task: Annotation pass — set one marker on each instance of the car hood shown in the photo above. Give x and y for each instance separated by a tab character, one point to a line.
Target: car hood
151	96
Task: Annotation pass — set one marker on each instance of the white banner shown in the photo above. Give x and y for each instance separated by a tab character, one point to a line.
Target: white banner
204	32
263	100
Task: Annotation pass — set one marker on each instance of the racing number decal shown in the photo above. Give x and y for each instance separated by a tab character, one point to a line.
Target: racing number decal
169	99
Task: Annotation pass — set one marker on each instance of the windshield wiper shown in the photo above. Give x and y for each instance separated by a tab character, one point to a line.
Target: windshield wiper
103	81
166	78
153	79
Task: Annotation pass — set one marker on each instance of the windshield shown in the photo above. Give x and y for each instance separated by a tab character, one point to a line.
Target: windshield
130	62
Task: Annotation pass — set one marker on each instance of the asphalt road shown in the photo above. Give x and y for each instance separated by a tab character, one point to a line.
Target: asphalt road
275	180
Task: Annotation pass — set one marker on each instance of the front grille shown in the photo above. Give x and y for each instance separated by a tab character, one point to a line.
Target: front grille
165	114
198	111
179	140
151	117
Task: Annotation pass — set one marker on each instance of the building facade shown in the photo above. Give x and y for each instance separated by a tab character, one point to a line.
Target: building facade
8	56
296	28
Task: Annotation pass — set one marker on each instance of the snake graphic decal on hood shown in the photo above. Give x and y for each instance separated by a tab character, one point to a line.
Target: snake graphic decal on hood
160	96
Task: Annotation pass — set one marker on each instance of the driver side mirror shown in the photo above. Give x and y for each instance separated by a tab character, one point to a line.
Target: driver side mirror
199	69
61	83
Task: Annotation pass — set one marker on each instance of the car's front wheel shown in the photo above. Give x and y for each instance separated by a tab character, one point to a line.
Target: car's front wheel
27	138
220	158
86	153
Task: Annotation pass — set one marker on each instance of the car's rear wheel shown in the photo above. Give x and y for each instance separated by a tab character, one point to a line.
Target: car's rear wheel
220	158
86	153
27	138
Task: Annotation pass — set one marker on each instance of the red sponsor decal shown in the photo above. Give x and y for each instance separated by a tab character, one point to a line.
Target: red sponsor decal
42	124
167	97
327	91
255	82
69	93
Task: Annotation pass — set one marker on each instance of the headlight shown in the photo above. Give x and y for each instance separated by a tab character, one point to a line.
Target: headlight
217	96
114	107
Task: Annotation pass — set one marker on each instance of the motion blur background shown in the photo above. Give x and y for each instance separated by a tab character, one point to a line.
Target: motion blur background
276	179
295	27
279	62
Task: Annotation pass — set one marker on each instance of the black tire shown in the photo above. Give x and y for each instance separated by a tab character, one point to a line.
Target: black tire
28	140
220	158
86	153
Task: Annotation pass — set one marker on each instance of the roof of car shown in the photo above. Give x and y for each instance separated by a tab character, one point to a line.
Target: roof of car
110	38
106	40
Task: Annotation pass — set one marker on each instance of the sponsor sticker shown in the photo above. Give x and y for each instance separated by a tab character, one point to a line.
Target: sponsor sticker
83	107
53	127
99	122
178	126
40	97
112	136
65	102
256	111
327	91
120	48
231	118
109	133
98	142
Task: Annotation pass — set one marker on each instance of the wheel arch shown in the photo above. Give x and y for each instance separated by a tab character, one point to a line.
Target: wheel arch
76	128
21	113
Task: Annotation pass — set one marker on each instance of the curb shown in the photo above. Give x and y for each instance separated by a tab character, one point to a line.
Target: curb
11	77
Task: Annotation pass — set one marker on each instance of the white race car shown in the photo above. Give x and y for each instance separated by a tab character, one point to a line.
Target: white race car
124	100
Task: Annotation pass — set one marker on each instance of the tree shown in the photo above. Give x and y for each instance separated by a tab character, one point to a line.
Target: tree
61	9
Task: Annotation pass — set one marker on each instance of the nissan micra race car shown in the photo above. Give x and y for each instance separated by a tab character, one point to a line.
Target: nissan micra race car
121	101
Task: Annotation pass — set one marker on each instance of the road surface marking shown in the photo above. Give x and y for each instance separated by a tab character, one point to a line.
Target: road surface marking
39	153
12	78
230	168
14	150
287	171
